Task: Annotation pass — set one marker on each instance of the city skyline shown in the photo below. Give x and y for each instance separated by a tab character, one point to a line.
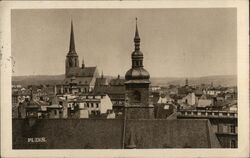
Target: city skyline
175	42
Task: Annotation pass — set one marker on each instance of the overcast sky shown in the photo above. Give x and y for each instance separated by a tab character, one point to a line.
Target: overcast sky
175	42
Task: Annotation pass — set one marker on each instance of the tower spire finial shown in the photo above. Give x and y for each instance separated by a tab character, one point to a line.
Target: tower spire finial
137	37
72	40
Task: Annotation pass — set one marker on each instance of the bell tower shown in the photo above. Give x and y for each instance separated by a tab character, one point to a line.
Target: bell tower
72	57
137	85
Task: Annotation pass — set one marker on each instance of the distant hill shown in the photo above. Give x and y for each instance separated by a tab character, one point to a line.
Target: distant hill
223	80
37	80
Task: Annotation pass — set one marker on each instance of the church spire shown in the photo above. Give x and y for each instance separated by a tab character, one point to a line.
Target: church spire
72	40
137	38
137	56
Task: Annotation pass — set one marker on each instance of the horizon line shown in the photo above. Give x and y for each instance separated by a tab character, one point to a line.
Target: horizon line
124	76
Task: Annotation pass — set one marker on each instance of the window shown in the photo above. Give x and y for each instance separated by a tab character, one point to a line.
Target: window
97	105
92	105
55	112
233	144
137	96
232	127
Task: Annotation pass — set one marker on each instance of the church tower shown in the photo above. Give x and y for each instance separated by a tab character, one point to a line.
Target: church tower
137	85
72	61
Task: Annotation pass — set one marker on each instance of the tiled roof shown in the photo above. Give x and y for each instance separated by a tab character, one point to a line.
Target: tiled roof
110	90
107	134
78	80
117	82
82	72
101	81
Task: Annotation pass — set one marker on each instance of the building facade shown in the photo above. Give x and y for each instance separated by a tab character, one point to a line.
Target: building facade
223	123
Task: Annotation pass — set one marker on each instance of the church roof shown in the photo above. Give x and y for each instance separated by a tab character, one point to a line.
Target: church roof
82	72
101	81
78	80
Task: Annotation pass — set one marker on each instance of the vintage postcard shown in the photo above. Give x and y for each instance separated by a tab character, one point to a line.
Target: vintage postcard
97	79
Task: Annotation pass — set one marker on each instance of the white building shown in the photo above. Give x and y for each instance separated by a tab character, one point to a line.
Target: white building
204	102
190	99
164	99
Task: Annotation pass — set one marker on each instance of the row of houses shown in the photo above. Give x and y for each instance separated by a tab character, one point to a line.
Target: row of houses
67	106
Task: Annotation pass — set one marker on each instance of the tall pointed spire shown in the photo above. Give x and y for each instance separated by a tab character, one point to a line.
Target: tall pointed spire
72	40
137	37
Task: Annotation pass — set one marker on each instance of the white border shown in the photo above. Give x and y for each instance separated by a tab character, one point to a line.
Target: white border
243	79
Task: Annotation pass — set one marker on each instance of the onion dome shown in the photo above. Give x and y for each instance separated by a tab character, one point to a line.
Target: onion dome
137	72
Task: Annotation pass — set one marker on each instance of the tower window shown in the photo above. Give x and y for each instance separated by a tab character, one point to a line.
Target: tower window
137	96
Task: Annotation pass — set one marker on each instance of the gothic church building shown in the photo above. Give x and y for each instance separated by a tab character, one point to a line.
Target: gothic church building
78	79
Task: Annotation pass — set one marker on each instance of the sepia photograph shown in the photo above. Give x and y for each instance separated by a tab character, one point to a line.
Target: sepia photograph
125	78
